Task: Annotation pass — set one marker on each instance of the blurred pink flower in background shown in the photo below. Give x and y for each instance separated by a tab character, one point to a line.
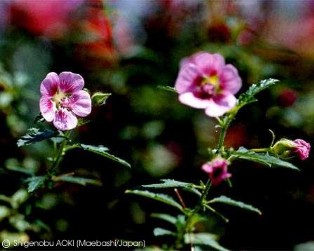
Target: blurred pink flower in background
206	82
287	97
62	99
217	170
171	16
123	37
96	45
4	14
49	18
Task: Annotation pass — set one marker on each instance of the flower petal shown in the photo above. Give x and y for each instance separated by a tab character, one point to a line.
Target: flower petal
189	99
47	108
209	64
49	85
186	78
302	148
230	80
207	167
80	103
220	105
64	120
70	82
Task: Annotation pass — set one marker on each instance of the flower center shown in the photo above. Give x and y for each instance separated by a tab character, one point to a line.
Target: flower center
217	172
208	87
59	98
211	80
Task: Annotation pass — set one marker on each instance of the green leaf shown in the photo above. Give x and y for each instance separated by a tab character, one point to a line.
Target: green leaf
101	150
157	196
35	183
249	95
4	212
168	183
19	197
167	88
203	239
20	169
231	202
262	158
5	198
34	135
100	98
77	180
165	217
161	231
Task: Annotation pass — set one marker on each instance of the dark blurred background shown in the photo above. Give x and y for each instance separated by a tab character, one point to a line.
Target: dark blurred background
130	48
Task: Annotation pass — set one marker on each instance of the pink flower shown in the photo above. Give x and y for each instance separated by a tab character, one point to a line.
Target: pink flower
206	82
217	170
302	148
62	99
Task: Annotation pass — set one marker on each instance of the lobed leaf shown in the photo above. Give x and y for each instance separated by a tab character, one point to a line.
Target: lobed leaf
35	183
262	158
34	135
101	150
157	196
249	95
231	202
168	183
77	180
203	239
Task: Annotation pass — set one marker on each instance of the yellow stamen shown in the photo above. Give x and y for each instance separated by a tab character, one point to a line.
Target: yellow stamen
57	98
212	80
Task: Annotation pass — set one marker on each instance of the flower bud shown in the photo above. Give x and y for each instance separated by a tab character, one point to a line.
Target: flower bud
287	148
100	98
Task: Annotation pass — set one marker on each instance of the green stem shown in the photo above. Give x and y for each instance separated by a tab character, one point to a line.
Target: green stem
224	127
198	207
260	150
188	227
224	124
59	155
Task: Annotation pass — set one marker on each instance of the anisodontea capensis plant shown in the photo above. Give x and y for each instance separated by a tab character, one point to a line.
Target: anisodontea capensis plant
206	82
65	104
